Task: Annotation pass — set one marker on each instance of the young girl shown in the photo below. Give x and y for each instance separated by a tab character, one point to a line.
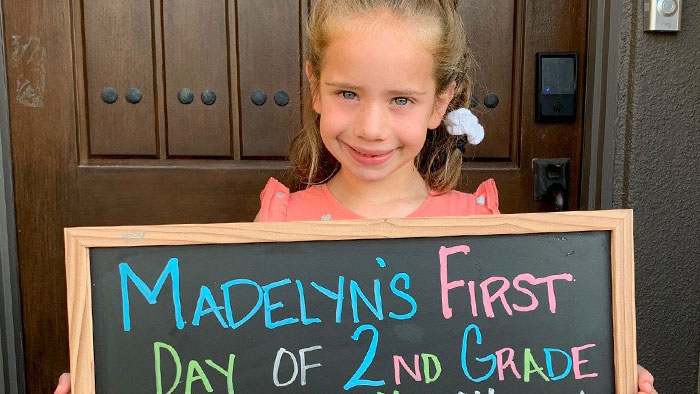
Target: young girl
375	144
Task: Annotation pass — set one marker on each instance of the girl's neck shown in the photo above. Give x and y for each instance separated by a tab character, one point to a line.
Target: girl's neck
396	196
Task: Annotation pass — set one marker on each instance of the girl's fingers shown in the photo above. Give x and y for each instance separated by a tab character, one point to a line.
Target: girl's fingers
63	386
645	381
643	373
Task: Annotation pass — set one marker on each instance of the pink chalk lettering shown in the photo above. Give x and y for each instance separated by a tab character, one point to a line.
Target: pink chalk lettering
415	373
516	284
446	286
509	363
549	280
472	294
577	362
488	299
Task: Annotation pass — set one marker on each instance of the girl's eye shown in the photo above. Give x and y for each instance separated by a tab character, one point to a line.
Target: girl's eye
349	95
401	101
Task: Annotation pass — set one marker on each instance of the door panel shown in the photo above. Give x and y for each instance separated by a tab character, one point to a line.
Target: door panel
491	28
182	195
118	54
79	161
269	60
196	58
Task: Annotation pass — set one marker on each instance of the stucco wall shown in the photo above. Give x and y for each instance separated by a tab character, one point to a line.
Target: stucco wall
657	173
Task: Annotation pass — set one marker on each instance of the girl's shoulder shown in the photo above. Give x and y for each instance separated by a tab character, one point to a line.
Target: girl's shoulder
277	204
484	201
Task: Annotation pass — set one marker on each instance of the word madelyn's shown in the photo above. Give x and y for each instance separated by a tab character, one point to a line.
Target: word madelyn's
485	298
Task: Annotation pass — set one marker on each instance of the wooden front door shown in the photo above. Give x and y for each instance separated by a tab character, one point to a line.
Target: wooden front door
150	112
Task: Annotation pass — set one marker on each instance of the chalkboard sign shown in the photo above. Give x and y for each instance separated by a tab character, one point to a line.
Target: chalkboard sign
533	303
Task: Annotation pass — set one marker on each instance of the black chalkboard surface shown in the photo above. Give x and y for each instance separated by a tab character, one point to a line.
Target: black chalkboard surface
505	312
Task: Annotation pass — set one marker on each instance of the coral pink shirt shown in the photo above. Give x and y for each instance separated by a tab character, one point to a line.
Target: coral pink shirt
277	204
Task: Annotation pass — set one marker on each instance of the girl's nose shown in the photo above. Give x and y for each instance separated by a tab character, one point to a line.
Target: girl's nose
370	124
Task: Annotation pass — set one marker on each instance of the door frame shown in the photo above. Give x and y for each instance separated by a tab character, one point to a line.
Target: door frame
596	188
12	372
600	104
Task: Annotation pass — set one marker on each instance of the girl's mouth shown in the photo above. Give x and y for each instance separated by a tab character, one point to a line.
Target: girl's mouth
368	156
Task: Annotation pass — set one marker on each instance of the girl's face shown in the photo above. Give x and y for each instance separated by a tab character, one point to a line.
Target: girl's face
376	99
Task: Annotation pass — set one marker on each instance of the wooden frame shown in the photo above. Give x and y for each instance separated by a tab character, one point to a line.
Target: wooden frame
79	241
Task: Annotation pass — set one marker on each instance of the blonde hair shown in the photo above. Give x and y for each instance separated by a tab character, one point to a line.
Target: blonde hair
440	160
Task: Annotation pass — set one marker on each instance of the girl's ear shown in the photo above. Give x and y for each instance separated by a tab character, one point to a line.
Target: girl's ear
313	86
441	102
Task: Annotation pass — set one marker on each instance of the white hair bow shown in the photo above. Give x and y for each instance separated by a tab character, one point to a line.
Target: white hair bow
463	122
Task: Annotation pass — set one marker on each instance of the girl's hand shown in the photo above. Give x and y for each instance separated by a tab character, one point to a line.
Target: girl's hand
645	381
63	386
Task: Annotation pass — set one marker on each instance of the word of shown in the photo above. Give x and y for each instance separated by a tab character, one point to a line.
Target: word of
302	360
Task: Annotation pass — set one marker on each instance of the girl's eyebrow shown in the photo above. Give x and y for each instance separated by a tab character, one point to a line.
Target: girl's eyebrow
406	92
343	86
400	92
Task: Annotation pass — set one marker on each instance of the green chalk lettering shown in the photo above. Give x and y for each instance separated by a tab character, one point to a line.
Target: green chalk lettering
191	367
157	346
227	372
529	363
427	359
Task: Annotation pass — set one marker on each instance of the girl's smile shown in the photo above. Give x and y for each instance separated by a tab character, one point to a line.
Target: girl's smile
369	157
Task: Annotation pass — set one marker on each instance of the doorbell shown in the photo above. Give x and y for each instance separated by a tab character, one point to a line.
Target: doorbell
662	15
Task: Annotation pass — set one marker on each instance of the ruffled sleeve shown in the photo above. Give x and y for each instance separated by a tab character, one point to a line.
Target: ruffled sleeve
486	198
274	200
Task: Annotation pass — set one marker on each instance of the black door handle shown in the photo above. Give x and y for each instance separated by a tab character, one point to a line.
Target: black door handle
559	197
551	182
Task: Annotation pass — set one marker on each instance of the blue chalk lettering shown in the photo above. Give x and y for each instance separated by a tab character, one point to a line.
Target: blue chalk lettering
227	301
403	295
338	297
302	305
205	295
381	262
172	269
375	309
356	379
492	357
548	354
271	307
